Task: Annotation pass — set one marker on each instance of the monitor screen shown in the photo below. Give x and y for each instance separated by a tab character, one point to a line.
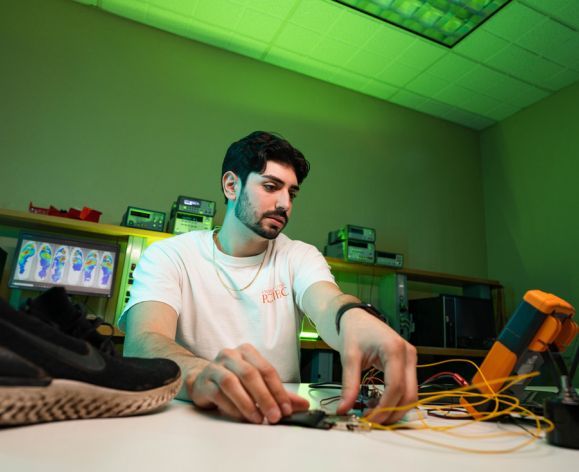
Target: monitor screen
80	266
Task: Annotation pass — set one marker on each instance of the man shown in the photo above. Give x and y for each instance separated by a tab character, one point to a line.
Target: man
227	305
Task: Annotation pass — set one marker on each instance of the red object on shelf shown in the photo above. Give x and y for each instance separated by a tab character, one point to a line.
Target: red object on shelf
86	214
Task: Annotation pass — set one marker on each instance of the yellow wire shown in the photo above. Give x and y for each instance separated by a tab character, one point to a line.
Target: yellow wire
503	405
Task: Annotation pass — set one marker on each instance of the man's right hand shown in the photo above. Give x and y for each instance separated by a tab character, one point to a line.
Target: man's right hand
243	385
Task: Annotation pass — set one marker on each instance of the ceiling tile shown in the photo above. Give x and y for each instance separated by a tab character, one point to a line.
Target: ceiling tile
297	38
546	38
518	57
490	82
354	28
480	104
466	118
222	13
389	42
317	16
299	63
434	107
562	79
570	14
525	95
348	80
524	64
502	111
480	45
257	25
513	21
379	89
168	20
398	74
246	46
333	52
551	7
451	67
569	55
477	122
407	99
132	10
480	78
421	54
427	84
455	95
279	8
184	7
367	63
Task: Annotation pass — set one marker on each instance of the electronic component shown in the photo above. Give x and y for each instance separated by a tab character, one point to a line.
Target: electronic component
352	251
389	259
319	419
144	219
184	222
195	206
540	321
190	214
352	233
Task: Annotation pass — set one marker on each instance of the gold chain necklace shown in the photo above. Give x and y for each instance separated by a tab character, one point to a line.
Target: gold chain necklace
217	270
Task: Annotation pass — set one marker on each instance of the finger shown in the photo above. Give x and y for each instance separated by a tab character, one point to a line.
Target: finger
410	395
352	370
273	383
227	408
252	381
298	403
394	378
229	385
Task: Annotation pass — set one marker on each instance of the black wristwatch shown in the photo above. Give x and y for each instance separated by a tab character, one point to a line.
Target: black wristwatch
365	306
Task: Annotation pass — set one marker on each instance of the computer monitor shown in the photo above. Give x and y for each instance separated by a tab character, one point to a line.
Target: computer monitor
81	266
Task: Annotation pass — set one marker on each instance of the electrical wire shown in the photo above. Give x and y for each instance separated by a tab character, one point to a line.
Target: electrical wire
499	404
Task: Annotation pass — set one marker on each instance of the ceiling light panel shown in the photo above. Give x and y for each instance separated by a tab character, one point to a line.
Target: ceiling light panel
443	21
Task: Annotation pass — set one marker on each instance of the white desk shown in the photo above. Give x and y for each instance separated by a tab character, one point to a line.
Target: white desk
180	438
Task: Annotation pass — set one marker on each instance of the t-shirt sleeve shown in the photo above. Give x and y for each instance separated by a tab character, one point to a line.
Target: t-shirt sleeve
156	278
309	267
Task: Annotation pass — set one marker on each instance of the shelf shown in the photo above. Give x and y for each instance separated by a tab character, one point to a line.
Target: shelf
34	221
415	275
422	350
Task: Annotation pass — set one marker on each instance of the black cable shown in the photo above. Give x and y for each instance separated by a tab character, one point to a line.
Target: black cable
325	385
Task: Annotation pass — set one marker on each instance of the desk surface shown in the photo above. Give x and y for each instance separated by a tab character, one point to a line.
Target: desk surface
181	438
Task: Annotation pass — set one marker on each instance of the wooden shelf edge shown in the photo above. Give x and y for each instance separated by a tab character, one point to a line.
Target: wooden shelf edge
35	221
415	275
424	350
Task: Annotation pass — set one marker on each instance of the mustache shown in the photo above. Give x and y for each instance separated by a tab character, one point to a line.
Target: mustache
278	213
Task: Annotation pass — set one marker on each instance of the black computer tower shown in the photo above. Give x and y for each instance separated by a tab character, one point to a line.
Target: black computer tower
453	321
3	256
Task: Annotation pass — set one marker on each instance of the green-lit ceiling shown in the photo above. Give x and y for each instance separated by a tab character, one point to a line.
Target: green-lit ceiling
526	52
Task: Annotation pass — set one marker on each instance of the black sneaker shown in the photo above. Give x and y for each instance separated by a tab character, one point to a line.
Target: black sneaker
46	375
54	307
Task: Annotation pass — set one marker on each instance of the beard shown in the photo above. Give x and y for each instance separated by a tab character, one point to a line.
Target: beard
246	213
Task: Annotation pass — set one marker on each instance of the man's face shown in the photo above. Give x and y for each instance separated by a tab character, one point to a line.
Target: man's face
265	202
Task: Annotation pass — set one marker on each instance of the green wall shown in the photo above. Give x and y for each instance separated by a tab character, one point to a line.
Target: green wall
103	112
531	170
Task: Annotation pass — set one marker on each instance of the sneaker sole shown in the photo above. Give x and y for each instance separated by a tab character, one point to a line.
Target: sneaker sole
71	400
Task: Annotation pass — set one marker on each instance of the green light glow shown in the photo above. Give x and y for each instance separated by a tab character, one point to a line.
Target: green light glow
443	21
306	335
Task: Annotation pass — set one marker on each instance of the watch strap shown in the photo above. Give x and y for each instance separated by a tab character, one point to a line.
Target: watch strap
364	306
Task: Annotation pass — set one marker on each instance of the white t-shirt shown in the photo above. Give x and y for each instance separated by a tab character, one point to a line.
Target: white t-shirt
190	274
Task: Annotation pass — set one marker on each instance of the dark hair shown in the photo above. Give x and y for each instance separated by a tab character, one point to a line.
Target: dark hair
251	153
